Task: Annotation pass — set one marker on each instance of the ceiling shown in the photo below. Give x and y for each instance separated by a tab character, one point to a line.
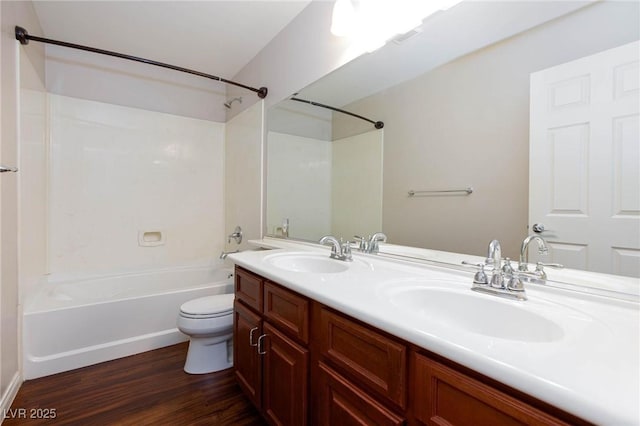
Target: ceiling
443	37
215	37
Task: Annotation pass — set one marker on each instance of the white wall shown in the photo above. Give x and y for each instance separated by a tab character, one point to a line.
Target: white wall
116	81
299	183
244	174
296	118
467	123
356	185
33	189
18	68
33	174
119	171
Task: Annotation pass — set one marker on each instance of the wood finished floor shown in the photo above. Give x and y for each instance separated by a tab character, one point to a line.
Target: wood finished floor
145	389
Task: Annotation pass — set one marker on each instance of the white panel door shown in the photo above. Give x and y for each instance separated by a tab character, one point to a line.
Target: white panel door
584	176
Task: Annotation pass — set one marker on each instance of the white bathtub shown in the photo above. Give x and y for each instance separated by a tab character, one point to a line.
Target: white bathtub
72	324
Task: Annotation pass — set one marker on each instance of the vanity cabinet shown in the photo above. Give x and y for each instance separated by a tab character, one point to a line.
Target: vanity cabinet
307	363
270	356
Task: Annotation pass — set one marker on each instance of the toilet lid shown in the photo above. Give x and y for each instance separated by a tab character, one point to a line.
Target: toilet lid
208	307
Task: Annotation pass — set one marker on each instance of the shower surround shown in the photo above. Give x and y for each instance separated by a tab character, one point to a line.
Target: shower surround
113	191
131	189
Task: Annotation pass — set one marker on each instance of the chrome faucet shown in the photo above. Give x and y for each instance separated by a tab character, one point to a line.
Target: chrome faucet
338	251
373	242
504	282
224	254
363	243
539	274
524	250
494	257
494	254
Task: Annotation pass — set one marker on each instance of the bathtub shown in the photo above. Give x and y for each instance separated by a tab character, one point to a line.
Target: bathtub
70	324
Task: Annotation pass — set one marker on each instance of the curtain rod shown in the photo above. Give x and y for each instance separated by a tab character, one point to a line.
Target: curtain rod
376	124
23	37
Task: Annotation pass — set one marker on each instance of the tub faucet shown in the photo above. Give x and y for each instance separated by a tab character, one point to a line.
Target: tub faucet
224	254
524	250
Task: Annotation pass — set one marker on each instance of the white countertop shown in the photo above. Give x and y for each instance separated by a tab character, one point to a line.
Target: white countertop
591	371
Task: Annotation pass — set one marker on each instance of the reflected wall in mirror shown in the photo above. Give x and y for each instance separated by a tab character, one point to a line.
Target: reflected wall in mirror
317	184
455	100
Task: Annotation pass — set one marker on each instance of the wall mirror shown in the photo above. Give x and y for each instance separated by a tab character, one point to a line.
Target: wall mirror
457	107
318	184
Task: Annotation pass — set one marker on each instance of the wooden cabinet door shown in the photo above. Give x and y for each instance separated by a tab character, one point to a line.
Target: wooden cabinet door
339	402
247	327
285	379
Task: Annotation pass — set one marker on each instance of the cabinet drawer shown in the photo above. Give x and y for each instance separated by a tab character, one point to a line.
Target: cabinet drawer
373	360
339	402
439	392
248	288
287	311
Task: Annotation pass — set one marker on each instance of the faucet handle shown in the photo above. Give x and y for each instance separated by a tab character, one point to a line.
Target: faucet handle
515	284
480	277
346	251
497	280
540	269
363	242
236	235
507	268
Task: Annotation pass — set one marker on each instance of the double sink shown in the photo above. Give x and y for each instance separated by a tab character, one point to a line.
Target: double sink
450	302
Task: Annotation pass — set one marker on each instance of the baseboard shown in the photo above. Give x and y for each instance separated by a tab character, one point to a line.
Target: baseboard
9	395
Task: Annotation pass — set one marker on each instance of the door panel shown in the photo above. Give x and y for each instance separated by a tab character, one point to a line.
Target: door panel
584	182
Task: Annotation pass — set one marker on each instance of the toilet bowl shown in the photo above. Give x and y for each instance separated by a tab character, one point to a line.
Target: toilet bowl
208	321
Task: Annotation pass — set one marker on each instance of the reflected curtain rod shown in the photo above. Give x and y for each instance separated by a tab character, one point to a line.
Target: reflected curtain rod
376	124
23	37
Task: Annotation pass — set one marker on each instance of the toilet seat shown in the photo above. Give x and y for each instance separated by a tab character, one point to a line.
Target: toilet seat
208	307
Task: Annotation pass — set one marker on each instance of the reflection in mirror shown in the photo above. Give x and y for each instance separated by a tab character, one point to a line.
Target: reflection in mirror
317	184
456	99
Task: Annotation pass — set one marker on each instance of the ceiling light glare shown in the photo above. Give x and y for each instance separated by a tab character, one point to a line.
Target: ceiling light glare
371	23
343	18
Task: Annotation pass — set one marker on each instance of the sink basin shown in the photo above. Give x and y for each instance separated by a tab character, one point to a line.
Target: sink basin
475	313
307	262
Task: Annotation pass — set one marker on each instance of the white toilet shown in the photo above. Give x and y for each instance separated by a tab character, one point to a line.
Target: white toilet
208	321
